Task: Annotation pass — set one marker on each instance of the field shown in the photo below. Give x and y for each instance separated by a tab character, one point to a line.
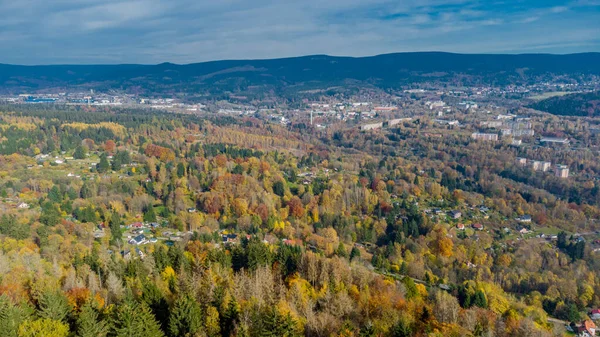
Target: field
550	94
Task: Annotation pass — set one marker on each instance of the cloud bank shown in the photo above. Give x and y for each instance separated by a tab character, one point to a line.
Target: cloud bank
185	31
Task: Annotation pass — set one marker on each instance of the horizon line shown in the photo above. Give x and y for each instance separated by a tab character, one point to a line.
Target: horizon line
294	57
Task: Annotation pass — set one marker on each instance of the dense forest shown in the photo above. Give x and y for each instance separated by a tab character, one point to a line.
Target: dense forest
289	76
125	223
585	104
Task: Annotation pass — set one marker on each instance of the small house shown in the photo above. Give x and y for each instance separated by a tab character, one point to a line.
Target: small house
595	314
23	205
477	226
524	218
455	214
138	240
587	328
460	227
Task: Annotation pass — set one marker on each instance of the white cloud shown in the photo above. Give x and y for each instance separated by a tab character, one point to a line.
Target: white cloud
182	31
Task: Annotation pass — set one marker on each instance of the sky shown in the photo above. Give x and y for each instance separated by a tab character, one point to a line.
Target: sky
188	31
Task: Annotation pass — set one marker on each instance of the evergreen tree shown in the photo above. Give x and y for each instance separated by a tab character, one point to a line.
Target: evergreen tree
479	299
180	169
80	152
51	215
135	320
54	195
354	254
230	317
103	165
185	318
115	227
53	305
149	215
89	323
341	250
401	329
11	316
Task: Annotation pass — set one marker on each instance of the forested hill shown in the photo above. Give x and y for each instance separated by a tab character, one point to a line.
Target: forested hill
300	73
582	104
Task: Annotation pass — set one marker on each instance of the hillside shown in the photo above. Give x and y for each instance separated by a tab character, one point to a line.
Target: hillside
300	73
583	104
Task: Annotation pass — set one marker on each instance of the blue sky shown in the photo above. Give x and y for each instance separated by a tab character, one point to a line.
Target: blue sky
186	31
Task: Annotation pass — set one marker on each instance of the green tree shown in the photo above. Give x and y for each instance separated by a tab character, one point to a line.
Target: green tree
354	254
51	215
479	299
279	188
53	305
115	227
89	323
132	319
341	250
149	214
103	165
11	316
54	194
186	317
80	152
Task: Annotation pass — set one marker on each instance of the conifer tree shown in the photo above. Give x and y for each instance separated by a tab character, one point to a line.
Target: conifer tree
186	317
89	323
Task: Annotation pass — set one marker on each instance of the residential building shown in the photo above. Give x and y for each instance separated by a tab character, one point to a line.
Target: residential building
562	171
373	126
553	140
455	214
540	165
521	161
138	240
477	226
485	136
524	218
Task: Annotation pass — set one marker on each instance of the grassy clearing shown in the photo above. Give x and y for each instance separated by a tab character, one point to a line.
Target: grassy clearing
550	94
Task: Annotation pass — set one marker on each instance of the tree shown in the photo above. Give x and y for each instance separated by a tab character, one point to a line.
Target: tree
115	227
54	194
479	299
401	329
279	188
89	323
11	316
354	254
134	319
51	215
149	215
103	166
53	305
211	323
185	318
341	250
80	152
43	327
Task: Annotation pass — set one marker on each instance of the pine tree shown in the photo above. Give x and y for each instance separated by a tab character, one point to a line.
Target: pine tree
341	250
80	152
89	323
11	316
185	318
104	165
149	215
480	300
115	227
354	254
230	317
53	305
133	319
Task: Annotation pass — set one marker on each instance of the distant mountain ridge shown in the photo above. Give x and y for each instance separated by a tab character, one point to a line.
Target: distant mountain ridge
300	73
